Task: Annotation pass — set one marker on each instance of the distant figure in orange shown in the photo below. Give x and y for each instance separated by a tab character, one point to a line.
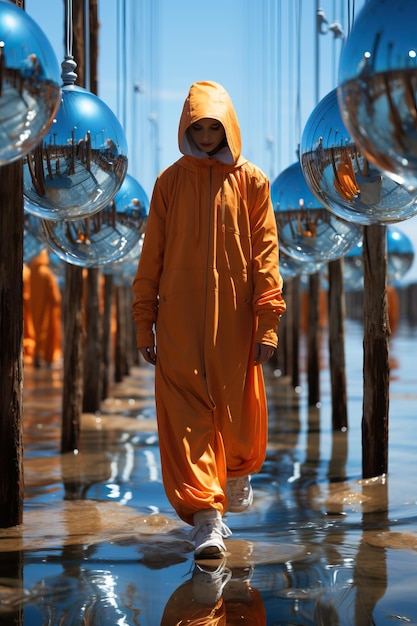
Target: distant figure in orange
28	330
45	304
345	180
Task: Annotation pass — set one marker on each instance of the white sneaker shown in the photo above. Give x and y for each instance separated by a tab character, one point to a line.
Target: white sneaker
208	582
208	534
239	494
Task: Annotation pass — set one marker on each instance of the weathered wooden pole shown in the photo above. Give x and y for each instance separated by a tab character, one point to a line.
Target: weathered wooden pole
121	367
336	316
93	350
11	338
73	291
313	341
376	353
72	388
106	336
291	344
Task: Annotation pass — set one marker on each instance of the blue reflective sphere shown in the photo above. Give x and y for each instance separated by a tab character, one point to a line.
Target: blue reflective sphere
307	230
342	178
124	269
400	257
81	163
378	86
29	83
33	240
291	267
106	236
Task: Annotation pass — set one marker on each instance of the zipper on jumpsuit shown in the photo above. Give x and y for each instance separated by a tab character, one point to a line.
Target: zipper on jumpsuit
206	291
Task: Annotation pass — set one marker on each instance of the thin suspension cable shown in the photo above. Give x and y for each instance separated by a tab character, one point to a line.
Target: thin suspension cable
87	44
278	24
124	63
69	33
118	59
298	18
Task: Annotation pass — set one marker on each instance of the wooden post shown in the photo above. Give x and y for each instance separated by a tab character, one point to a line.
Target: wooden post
73	358
93	347
106	336
376	354
73	292
336	315
93	351
295	340
11	337
73	387
313	332
121	368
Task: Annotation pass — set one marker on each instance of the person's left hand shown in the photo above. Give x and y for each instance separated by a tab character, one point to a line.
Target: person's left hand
262	353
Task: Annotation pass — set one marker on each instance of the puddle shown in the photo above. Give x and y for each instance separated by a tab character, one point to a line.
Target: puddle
100	544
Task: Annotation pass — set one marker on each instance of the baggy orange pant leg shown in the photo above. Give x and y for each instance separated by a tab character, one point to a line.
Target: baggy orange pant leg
246	435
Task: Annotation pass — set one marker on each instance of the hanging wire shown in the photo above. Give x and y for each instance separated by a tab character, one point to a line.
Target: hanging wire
118	56
124	64
87	80
277	79
69	28
298	22
68	65
121	61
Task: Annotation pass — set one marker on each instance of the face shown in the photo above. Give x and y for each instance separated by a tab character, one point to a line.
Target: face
207	134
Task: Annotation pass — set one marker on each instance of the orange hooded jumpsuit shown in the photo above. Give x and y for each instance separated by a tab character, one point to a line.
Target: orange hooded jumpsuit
208	283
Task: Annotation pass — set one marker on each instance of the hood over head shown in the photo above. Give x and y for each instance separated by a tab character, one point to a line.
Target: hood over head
41	259
208	99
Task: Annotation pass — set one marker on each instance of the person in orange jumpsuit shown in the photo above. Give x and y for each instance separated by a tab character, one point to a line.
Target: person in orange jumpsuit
207	304
45	304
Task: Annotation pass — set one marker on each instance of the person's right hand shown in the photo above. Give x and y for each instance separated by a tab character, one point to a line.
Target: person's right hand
149	354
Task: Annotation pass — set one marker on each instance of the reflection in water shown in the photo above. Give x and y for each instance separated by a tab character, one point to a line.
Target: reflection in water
215	596
101	545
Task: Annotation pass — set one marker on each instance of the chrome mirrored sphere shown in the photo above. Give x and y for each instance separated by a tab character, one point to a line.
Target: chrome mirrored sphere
107	235
400	257
29	83
378	86
124	269
353	267
342	178
80	165
307	230
33	240
400	253
290	267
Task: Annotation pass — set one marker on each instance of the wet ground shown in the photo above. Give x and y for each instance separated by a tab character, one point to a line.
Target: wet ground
100	544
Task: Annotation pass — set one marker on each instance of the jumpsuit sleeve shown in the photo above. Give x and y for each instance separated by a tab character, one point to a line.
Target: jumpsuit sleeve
268	302
148	274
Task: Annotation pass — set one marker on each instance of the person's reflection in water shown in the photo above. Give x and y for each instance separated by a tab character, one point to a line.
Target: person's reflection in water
216	596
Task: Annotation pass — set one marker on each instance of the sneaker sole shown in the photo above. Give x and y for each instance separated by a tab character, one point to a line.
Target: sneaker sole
211	552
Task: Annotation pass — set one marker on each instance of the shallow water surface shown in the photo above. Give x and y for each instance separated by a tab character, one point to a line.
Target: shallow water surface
100	544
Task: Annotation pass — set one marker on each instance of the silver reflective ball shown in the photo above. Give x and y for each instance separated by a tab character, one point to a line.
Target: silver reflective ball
400	257
124	269
106	236
29	83
378	86
81	163
290	267
342	178
33	239
307	230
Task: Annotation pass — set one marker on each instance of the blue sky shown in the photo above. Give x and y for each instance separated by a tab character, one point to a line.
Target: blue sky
263	52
